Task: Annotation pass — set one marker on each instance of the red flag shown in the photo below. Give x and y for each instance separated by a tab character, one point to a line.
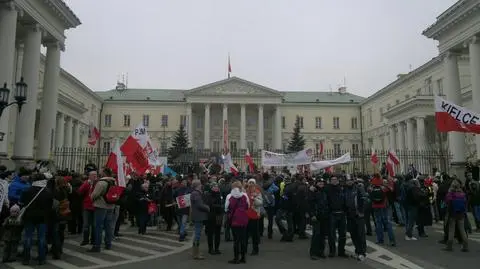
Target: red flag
450	117
249	160
93	135
392	160
374	157
135	155
329	170
112	162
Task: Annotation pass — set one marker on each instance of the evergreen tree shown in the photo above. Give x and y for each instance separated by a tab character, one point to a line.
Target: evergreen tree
179	144
297	141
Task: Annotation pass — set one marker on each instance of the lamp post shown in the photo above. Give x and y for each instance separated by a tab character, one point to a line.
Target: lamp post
20	96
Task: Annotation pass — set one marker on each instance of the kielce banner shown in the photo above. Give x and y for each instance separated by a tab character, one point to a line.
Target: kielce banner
450	117
302	157
328	163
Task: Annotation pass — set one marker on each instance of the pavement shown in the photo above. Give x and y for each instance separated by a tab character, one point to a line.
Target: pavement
127	249
133	251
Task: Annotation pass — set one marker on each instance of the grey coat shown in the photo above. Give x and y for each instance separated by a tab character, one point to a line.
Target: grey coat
199	209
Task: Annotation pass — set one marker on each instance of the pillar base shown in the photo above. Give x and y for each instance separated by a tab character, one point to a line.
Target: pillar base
21	161
458	169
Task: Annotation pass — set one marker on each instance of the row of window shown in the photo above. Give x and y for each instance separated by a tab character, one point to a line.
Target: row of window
250	122
319	122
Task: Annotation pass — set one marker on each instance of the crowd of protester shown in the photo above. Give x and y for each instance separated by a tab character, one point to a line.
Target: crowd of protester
235	206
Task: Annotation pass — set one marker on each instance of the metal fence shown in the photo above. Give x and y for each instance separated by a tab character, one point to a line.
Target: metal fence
75	159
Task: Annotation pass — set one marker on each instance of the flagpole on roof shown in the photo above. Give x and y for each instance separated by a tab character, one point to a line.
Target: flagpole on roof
229	68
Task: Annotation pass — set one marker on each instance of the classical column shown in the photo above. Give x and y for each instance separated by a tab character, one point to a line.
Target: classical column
225	120
76	134
260	127
421	138
392	143
206	131
410	134
8	30
68	132
474	49
243	127
278	128
60	131
25	126
189	124
401	136
49	101
456	141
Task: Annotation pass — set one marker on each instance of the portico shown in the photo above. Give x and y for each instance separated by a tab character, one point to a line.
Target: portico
24	27
457	31
252	113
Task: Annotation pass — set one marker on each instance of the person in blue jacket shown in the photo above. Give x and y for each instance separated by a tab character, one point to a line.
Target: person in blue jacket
18	185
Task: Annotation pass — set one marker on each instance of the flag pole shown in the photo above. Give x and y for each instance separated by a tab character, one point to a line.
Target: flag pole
229	70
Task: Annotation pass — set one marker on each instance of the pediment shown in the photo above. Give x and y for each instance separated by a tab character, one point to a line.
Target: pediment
233	87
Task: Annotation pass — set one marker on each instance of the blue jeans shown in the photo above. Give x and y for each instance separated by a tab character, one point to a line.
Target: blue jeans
411	220
400	213
476	212
382	221
41	233
103	220
182	224
198	226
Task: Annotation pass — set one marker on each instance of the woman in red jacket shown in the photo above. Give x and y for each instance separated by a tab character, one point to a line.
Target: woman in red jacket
88	209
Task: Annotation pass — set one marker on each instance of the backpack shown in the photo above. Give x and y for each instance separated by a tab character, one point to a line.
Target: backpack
113	194
237	217
459	205
377	195
268	199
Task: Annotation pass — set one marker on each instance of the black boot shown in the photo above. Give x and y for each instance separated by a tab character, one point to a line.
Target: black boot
26	257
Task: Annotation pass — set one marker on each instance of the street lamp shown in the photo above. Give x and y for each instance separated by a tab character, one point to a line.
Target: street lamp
20	95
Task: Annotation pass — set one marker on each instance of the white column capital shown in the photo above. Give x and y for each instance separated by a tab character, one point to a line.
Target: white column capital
207	106
225	106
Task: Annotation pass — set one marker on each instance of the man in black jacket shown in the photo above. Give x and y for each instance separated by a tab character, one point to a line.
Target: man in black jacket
336	202
319	213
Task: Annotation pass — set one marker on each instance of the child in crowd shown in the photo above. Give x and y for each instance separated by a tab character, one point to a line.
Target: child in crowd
12	234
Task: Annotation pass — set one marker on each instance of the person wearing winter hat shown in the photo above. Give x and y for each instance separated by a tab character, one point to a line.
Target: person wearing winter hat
215	218
12	234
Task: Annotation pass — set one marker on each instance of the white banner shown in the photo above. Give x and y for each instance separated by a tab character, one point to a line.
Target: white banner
291	159
3	192
327	163
140	133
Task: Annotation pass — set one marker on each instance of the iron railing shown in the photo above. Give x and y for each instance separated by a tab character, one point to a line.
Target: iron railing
189	161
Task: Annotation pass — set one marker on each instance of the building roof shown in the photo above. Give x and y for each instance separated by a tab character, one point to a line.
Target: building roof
178	95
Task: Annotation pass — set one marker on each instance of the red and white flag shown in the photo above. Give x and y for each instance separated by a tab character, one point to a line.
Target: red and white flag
228	164
450	117
392	161
115	162
374	157
249	160
135	154
93	135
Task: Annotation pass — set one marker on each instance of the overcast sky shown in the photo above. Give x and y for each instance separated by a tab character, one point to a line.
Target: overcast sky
302	45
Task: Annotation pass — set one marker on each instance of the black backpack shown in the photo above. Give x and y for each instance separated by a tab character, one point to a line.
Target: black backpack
377	195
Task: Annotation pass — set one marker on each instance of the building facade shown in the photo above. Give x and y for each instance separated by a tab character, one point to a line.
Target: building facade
258	117
400	116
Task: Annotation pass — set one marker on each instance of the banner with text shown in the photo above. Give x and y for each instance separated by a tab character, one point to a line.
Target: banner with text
291	159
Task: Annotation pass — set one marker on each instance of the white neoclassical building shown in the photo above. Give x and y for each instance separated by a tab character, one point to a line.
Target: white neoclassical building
59	107
258	117
399	116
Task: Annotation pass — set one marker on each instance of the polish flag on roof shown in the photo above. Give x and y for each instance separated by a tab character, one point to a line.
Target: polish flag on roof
450	117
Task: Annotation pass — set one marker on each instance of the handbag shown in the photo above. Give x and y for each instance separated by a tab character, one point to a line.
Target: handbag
22	211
